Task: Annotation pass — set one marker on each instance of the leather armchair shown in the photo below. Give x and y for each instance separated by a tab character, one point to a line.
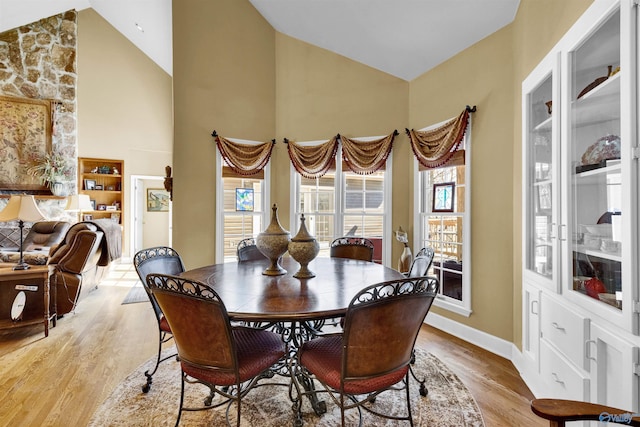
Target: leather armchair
75	265
45	234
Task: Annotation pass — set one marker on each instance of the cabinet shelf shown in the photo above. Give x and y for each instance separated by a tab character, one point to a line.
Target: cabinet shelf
102	175
544	126
102	211
102	191
106	197
599	175
602	104
611	256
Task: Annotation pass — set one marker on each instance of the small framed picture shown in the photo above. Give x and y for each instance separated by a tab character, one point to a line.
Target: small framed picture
543	199
98	187
89	184
93	204
111	188
102	207
111	208
87	217
443	195
244	199
157	200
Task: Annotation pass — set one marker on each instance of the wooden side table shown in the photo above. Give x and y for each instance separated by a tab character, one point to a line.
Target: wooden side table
34	283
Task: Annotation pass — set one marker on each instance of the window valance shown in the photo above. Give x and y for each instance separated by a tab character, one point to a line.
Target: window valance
436	147
313	161
362	156
366	156
244	159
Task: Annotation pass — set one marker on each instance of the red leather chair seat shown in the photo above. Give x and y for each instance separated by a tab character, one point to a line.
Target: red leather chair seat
323	358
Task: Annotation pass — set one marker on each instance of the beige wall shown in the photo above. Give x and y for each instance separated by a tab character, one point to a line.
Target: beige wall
265	85
480	76
124	104
325	94
229	87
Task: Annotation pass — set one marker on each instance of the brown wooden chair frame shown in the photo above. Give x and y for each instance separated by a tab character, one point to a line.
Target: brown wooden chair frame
352	248
159	259
358	374
559	412
229	360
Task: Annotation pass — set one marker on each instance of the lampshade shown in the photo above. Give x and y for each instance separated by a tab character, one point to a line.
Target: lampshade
79	203
23	208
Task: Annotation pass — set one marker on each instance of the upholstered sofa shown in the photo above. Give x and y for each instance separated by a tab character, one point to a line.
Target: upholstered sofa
81	260
36	245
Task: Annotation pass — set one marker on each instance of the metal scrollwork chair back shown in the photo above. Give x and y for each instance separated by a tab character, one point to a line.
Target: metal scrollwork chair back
352	248
399	307
421	263
419	267
248	251
229	360
159	259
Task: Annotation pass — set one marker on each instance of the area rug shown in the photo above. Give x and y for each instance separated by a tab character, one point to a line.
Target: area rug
136	294
448	402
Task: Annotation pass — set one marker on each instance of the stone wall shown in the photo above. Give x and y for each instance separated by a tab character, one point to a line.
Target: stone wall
38	61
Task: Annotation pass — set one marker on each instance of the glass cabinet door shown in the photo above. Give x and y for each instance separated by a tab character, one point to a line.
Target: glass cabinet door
596	138
540	178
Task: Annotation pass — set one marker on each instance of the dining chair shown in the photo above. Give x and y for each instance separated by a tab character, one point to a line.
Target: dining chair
559	412
159	259
229	360
247	250
382	320
352	248
419	267
421	263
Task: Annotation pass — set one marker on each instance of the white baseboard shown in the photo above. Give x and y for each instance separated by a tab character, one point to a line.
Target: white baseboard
484	340
488	342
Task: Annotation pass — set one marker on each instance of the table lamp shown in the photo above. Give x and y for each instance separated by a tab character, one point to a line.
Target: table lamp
21	208
79	203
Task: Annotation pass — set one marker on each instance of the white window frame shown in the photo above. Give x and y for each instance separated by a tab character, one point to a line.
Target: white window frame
266	199
339	200
420	234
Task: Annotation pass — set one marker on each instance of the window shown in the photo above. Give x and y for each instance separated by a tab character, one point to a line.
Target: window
442	221
239	219
343	203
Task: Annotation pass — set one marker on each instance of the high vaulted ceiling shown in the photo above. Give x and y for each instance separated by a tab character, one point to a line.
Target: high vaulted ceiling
404	38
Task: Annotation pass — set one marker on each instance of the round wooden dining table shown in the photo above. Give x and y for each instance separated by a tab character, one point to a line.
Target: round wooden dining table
252	296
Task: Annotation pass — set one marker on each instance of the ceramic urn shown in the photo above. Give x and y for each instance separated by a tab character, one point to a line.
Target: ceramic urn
273	243
303	248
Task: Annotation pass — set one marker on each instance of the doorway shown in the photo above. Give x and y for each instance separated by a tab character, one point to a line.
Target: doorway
150	226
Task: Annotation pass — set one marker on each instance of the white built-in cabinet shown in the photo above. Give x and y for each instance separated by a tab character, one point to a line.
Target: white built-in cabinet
580	212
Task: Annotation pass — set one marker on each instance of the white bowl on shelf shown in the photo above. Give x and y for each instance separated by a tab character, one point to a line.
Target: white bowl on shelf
600	230
591	241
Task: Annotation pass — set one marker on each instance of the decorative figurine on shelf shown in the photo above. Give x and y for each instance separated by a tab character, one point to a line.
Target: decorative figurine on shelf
168	182
94	170
405	259
115	171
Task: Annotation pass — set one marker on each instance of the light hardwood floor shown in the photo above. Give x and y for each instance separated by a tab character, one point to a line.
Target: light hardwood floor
62	379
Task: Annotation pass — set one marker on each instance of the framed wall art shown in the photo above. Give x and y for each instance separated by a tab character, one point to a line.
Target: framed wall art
443	196
25	136
157	200
244	199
